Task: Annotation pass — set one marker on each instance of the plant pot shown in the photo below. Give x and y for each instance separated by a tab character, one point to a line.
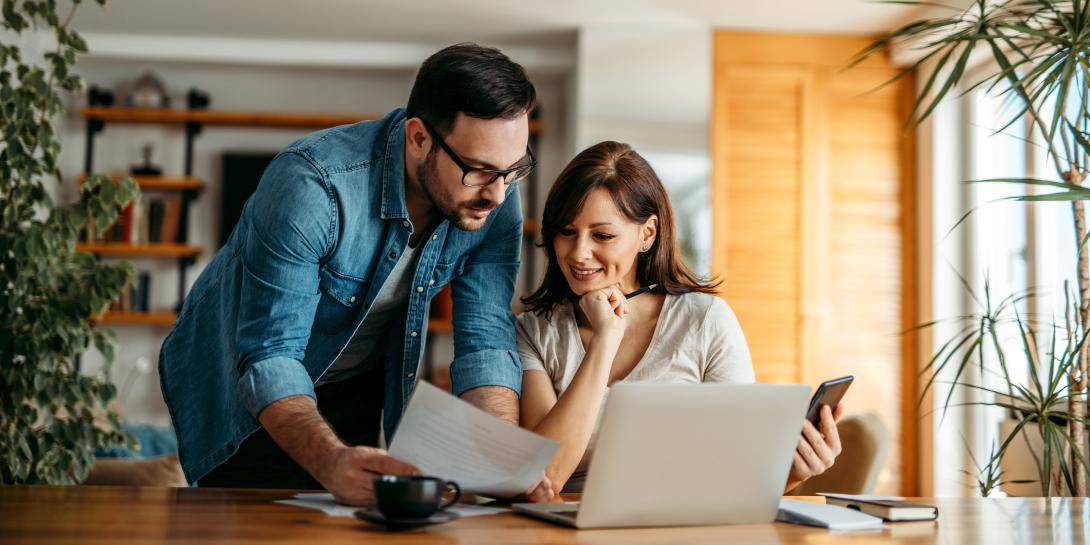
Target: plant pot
1019	464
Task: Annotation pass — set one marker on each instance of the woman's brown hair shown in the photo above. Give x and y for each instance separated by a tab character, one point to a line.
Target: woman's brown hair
639	194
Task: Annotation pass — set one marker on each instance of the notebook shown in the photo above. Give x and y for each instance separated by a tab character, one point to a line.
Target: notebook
822	515
892	509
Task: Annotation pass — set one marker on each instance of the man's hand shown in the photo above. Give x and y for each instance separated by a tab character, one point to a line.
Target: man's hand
348	472
351	472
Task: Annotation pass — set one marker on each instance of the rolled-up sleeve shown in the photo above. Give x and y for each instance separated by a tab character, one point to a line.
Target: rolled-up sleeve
484	326
273	379
289	228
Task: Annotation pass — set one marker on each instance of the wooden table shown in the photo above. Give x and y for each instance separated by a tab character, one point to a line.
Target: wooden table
119	515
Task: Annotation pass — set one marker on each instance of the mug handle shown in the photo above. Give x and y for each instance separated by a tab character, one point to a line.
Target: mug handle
457	494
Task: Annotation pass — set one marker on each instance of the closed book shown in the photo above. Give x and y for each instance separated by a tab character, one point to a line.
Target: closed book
126	297
888	508
143	287
171	218
126	222
156	211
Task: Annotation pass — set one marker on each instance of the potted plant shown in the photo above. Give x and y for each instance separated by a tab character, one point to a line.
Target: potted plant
1040	50
52	417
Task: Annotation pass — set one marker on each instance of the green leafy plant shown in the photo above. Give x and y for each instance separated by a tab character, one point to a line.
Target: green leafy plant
51	416
1040	50
1040	407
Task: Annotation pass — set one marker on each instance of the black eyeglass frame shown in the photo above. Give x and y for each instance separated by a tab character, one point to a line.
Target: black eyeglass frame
466	169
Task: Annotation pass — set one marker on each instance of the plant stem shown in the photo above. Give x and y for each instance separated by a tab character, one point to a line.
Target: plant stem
1077	374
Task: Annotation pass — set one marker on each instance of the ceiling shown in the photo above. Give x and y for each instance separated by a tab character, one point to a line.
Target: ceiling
507	21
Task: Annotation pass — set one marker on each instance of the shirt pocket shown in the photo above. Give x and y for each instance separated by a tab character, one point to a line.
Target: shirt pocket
444	273
341	301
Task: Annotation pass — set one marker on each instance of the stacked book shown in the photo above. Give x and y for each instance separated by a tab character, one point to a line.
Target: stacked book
134	297
156	220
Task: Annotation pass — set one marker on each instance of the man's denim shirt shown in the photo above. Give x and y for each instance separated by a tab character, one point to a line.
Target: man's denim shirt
282	298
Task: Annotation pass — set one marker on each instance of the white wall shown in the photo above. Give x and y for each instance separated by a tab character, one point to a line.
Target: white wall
650	87
251	87
647	86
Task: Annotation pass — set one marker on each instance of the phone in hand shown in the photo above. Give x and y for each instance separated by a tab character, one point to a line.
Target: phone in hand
829	393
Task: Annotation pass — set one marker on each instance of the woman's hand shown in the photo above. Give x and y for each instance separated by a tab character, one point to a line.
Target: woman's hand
816	451
540	492
606	310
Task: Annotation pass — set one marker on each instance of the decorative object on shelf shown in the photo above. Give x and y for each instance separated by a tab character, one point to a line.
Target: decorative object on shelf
98	96
197	99
149	91
1039	49
53	417
146	169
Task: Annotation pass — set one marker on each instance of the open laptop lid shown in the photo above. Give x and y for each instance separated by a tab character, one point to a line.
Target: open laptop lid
691	454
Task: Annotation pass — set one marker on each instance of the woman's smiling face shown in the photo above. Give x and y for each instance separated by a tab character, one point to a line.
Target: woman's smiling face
600	246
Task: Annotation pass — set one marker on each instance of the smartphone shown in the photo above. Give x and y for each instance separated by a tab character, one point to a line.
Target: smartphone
829	393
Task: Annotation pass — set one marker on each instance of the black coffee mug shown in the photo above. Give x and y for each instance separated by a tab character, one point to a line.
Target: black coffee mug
399	496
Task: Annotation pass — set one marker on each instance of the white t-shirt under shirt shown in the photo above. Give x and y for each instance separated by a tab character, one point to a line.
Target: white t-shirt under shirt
697	339
389	302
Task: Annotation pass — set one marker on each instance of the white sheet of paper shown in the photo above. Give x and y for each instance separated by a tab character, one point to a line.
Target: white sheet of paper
860	497
451	439
323	501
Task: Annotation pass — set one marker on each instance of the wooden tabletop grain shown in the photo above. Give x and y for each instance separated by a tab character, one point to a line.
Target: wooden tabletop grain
44	515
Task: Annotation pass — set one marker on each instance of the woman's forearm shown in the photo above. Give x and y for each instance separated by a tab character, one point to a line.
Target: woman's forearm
572	419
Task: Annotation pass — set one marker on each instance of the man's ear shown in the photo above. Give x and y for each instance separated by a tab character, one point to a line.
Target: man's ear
417	139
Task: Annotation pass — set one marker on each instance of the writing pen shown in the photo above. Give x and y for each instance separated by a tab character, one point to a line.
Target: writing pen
641	290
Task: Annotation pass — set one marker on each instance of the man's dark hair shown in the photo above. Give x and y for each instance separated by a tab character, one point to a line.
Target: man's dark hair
472	79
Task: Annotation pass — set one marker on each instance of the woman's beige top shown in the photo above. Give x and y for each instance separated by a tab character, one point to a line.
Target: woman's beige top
697	339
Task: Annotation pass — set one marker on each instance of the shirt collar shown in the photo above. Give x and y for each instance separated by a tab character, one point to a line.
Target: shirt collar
393	173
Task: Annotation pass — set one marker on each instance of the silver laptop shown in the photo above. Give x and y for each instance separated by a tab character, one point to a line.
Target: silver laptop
687	454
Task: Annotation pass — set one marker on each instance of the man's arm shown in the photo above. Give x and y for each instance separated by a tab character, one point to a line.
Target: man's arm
291	220
499	401
486	370
348	472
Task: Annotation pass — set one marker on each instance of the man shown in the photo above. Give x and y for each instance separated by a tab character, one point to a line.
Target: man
310	321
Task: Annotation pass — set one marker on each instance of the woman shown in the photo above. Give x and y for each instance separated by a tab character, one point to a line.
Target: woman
608	229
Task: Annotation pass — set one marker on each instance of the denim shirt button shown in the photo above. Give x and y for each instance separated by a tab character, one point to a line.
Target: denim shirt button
410	375
405	224
352	299
431	282
419	289
393	254
413	334
435	237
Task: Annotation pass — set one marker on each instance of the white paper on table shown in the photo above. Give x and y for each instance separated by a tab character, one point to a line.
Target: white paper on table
323	501
451	439
861	497
828	516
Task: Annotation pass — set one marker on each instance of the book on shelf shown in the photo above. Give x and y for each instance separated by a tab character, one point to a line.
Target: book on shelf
154	219
134	296
172	216
157	220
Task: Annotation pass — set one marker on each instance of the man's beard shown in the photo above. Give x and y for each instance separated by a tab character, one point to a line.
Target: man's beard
428	175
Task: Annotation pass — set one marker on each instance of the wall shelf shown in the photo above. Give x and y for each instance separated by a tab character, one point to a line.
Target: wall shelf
168	183
225	118
219	118
163	318
439	326
124	249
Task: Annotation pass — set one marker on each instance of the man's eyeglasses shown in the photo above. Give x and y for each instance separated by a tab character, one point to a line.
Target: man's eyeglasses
480	177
